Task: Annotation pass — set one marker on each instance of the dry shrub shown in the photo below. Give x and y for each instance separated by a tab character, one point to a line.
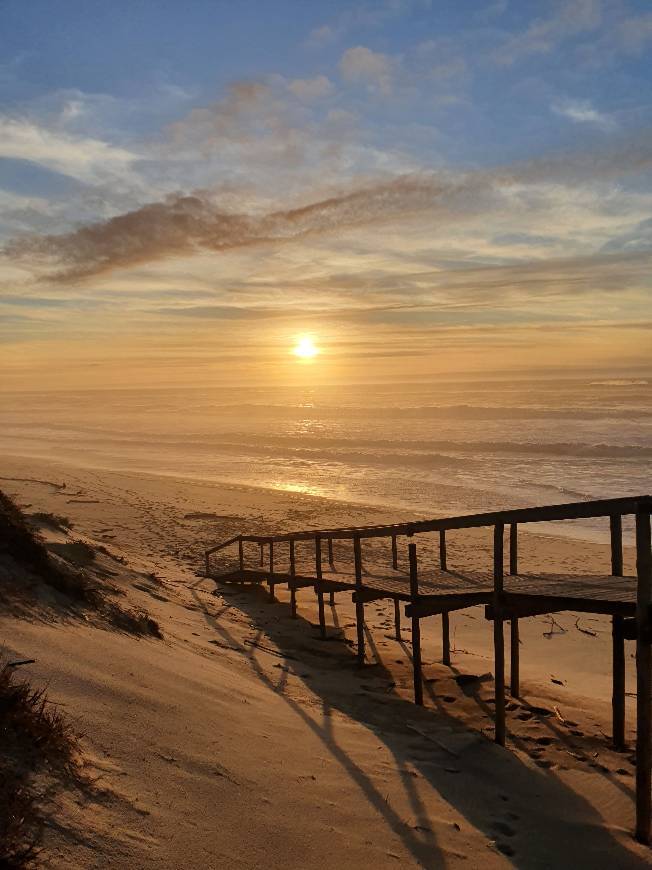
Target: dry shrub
36	738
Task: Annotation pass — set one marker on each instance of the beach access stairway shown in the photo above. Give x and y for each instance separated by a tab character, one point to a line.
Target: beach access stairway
331	561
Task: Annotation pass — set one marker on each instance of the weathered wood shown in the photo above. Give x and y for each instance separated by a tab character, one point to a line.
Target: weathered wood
293	589
225	544
442	550
515	657
618	682
616	532
513	548
520	610
331	558
394	553
546	513
271	571
397	619
643	676
359	606
445	638
499	639
366	595
617	640
262	558
241	554
416	628
433	605
320	592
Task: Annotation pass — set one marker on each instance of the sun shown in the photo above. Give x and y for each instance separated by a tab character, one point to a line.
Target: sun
305	348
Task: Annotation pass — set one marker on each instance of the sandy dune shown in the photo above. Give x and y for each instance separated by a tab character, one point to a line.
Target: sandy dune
242	740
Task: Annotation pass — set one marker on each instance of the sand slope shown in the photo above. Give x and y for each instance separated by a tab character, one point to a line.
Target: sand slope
242	740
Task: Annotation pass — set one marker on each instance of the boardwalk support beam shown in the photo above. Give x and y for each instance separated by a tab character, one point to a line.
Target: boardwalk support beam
442	550
293	589
643	675
617	640
515	669
359	605
445	638
499	638
397	619
320	591
271	571
416	628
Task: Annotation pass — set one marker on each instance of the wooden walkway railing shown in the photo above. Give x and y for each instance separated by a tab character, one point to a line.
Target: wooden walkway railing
507	597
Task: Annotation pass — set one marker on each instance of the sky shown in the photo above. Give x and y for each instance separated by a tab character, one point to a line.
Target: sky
424	188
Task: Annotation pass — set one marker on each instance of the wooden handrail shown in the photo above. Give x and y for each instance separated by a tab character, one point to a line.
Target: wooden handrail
569	511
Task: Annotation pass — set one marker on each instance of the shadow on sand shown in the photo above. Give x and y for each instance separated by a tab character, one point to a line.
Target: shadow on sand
530	815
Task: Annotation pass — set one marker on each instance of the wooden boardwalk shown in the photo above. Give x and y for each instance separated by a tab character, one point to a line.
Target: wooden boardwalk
507	595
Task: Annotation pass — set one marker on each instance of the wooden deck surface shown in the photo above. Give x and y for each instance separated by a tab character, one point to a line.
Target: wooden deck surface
606	591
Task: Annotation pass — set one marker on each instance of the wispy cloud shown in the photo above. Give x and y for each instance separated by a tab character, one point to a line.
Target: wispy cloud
582	112
570	18
89	160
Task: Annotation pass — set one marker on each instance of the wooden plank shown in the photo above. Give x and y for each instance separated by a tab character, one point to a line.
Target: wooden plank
617	641
520	611
445	638
442	549
514	601
416	628
224	544
546	513
241	554
331	558
271	571
616	532
394	553
513	548
643	677
320	593
359	606
397	619
499	639
435	604
618	682
293	588
514	652
366	595
262	560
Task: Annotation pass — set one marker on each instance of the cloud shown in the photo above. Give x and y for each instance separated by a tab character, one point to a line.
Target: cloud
361	65
310	89
91	161
181	225
571	18
582	112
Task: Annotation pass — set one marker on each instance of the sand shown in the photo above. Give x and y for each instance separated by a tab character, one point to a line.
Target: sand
243	740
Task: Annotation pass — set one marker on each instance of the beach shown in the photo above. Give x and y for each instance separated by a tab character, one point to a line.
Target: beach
241	739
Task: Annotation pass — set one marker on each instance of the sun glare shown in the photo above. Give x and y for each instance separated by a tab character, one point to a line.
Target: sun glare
305	348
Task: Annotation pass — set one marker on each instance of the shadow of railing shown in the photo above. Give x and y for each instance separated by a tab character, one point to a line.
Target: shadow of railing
489	793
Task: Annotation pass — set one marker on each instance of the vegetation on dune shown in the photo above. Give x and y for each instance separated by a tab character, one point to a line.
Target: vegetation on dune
36	739
19	541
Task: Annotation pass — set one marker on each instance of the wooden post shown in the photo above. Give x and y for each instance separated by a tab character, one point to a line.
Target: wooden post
617	641
293	591
416	628
643	675
241	554
513	548
397	618
515	667
359	606
618	683
499	639
442	550
394	553
271	570
616	530
320	594
262	560
331	560
445	638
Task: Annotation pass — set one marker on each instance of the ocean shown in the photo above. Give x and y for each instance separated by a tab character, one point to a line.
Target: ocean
432	449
